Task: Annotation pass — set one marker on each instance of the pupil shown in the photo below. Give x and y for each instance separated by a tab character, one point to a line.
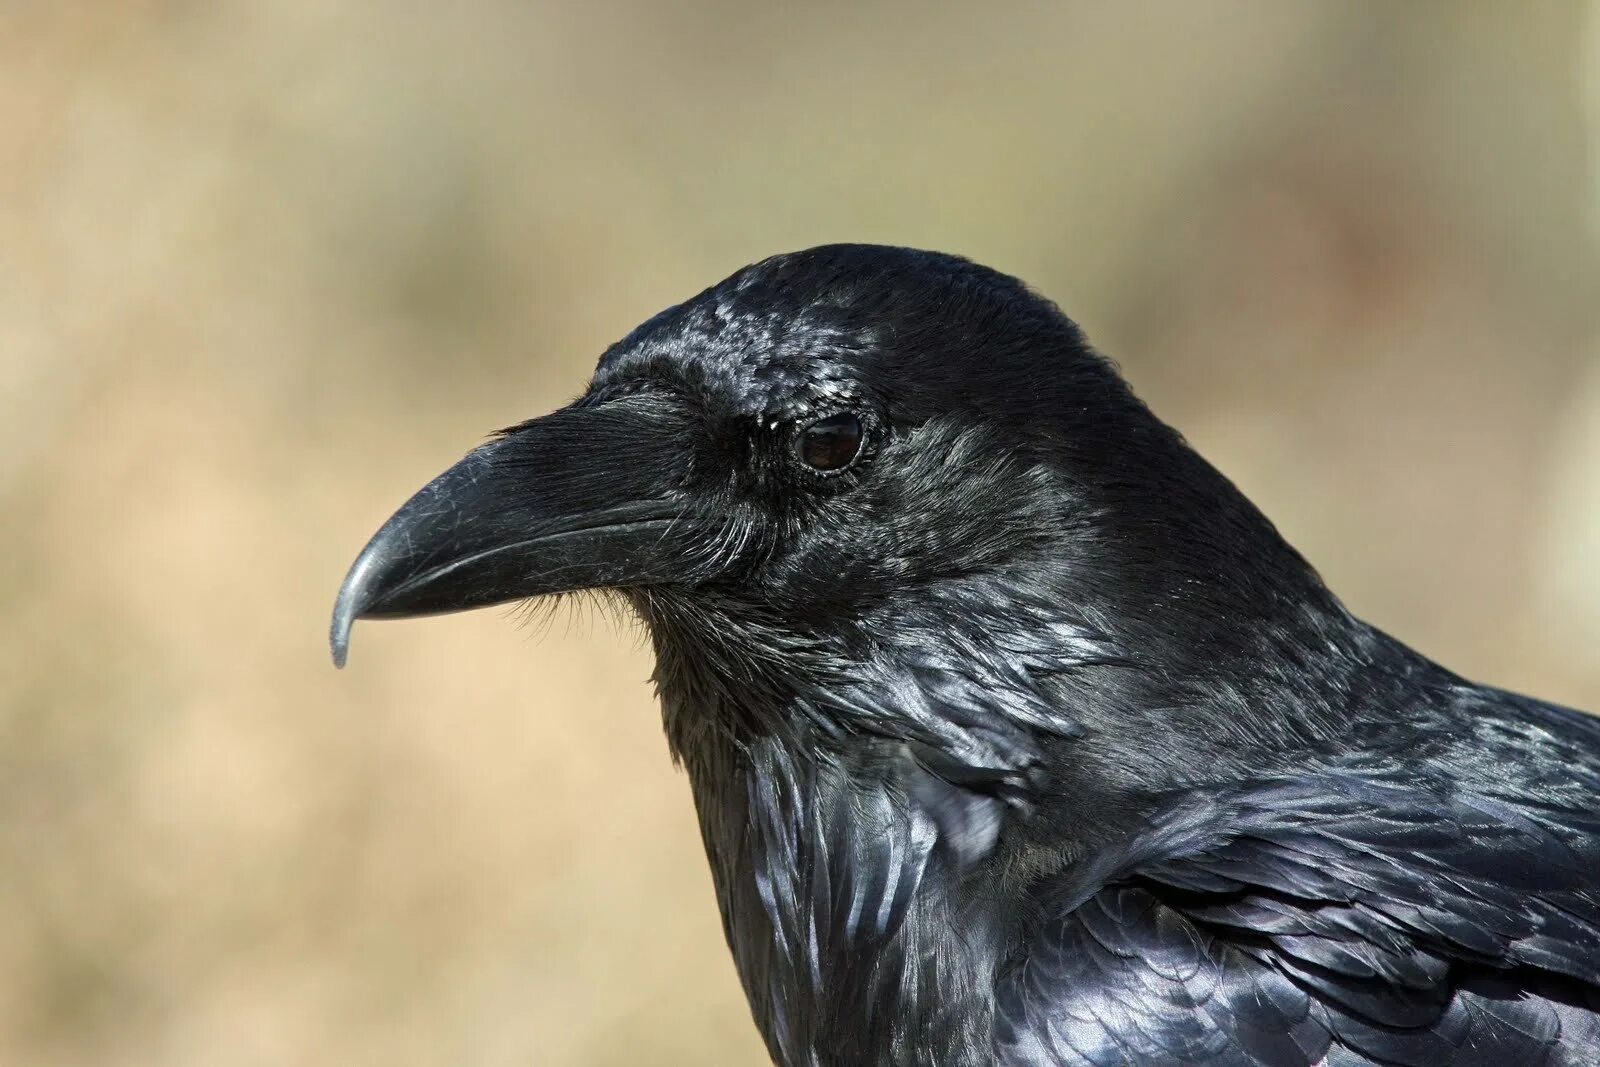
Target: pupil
831	443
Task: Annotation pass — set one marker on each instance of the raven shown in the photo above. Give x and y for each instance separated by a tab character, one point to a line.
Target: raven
1017	735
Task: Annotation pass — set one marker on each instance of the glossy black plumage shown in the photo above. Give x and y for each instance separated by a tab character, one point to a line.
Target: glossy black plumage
1021	737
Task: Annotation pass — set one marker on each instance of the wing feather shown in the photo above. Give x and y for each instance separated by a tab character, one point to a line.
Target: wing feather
1337	918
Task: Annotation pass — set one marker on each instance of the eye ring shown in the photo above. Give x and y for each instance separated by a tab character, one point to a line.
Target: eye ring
832	444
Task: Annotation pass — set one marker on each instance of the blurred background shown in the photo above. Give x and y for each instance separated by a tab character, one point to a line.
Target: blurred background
267	267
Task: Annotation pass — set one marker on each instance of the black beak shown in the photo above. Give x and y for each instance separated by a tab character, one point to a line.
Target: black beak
580	499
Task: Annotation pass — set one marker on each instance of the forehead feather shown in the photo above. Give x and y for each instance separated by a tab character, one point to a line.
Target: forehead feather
757	348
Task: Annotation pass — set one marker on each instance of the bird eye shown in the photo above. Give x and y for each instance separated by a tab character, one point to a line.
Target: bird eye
830	444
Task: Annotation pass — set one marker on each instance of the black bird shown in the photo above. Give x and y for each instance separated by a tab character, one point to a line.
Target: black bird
1016	733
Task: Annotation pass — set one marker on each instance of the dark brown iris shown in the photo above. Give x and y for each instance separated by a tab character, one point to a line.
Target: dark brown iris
830	444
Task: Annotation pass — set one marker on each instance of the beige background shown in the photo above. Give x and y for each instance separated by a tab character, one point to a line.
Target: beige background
265	267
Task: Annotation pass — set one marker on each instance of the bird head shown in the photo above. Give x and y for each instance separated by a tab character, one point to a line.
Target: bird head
842	456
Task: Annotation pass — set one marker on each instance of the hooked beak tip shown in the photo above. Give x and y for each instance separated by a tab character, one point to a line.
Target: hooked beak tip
339	641
351	603
339	632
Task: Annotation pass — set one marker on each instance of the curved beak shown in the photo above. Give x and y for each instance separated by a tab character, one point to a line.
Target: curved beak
580	499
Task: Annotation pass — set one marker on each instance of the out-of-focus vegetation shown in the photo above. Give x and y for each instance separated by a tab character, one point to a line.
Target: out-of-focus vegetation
265	267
